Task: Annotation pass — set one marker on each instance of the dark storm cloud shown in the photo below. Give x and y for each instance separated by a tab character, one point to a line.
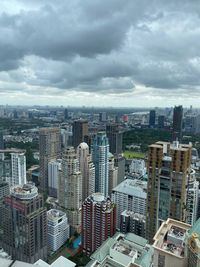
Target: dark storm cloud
101	46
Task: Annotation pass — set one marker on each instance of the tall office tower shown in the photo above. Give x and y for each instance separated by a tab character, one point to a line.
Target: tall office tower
50	149
177	123
98	221
24	224
169	245
152	118
18	163
130	195
4	191
57	229
131	222
161	121
79	130
168	178
54	168
87	170
115	138
100	156
66	115
113	174
102	117
70	188
120	163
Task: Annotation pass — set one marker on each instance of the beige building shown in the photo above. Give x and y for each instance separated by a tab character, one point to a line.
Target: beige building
70	188
87	170
168	179
50	149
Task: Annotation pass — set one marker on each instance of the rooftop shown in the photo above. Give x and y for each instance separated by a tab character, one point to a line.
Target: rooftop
24	192
132	187
54	214
170	237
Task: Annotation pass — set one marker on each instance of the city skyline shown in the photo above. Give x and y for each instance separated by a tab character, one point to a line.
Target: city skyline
75	53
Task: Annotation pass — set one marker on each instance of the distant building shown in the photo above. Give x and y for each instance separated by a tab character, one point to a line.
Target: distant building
177	123
120	163
137	166
100	156
161	121
66	114
98	222
131	222
152	118
115	138
50	149
102	117
130	195
25	224
57	229
79	130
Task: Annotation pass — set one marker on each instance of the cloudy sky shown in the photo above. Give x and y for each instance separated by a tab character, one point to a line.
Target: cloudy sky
100	52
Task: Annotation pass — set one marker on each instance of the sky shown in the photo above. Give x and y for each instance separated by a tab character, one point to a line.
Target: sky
119	53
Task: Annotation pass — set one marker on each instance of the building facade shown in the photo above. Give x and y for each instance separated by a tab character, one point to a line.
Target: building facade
115	138
100	156
50	149
57	229
98	222
25	224
177	123
79	130
70	188
54	169
168	180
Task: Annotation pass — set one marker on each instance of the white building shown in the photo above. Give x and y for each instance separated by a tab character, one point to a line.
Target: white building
57	229
18	163
137	166
130	195
54	168
192	198
113	174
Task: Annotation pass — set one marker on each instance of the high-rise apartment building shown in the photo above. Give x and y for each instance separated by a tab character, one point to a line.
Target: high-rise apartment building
100	156
177	123
161	121
113	174
87	170
54	169
120	163
18	163
168	179
57	229
70	188
130	195
115	138
152	118
50	149
25	224
98	221
79	130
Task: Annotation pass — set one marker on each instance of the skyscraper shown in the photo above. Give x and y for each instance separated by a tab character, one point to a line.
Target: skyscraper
54	168
152	118
87	170
161	121
25	224
168	179
177	123
66	115
100	156
98	222
80	130
18	163
115	138
70	188
113	174
50	149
